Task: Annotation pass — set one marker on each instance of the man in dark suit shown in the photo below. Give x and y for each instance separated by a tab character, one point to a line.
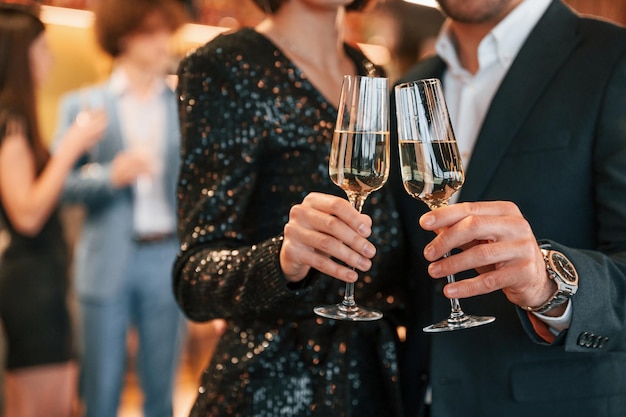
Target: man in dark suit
537	96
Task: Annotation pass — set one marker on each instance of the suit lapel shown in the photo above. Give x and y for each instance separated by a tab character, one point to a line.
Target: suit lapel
172	146
114	139
542	55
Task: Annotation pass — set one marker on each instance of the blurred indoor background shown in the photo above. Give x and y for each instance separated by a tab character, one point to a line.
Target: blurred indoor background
394	35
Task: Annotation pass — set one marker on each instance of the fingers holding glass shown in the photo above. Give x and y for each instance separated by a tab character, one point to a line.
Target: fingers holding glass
359	163
431	166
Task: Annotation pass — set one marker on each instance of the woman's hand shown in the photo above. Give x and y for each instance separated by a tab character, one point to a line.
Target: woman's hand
321	231
30	198
84	133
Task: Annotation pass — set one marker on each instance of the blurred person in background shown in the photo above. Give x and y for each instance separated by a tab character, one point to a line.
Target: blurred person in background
127	186
407	30
263	227
41	373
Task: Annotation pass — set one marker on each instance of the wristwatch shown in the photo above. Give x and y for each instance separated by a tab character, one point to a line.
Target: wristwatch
563	273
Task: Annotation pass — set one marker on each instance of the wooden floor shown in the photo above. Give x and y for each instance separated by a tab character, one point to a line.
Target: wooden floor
196	353
184	395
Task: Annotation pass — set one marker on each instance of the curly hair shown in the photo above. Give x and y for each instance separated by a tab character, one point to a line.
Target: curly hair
272	6
116	19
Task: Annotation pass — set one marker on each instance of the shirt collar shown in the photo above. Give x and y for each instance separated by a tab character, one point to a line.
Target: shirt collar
119	84
502	44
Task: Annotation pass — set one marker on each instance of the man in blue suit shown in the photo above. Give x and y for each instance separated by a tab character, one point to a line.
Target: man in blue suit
537	97
127	185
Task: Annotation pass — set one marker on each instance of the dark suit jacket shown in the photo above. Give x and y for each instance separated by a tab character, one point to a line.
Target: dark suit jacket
554	142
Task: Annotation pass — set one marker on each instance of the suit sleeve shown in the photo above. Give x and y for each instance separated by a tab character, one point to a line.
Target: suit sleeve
599	312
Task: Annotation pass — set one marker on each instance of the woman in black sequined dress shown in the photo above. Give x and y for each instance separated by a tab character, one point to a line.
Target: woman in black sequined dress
257	206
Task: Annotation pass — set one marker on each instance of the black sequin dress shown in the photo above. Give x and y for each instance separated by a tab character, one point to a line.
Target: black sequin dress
256	140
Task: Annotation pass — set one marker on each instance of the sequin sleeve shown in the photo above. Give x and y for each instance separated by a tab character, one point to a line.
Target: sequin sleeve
220	272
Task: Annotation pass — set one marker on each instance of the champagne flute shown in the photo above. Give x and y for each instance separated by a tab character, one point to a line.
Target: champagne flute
86	107
359	163
431	166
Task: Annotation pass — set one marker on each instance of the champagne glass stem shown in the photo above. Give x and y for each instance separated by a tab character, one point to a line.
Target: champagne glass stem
457	318
348	297
456	313
357	200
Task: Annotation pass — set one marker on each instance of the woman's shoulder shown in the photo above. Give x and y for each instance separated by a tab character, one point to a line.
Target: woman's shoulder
364	65
245	44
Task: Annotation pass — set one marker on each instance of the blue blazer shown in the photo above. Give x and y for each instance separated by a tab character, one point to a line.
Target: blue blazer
105	243
554	142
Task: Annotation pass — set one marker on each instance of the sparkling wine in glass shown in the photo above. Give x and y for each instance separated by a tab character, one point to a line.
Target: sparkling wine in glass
359	163
431	166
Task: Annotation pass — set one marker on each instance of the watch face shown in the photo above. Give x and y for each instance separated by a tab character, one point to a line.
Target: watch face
563	267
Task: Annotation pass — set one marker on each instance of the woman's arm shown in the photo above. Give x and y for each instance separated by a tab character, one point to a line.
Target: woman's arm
27	198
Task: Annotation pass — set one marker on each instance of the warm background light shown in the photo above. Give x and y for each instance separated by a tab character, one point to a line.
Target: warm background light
80	62
427	3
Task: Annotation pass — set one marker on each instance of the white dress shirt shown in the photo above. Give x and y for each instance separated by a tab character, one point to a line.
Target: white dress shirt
142	122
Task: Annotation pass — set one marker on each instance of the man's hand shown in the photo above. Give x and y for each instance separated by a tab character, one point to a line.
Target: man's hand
497	242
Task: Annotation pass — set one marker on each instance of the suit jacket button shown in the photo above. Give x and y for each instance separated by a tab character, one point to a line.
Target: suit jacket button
584	339
596	342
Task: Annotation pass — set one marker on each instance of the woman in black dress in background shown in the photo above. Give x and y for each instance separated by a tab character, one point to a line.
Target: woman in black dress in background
258	109
40	378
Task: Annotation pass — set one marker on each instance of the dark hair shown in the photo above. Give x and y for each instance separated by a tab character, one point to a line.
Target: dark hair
272	6
19	27
116	19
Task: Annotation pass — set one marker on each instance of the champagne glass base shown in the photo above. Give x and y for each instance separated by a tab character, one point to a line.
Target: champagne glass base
349	313
458	323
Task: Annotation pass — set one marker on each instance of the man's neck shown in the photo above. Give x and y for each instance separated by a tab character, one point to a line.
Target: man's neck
467	38
141	81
